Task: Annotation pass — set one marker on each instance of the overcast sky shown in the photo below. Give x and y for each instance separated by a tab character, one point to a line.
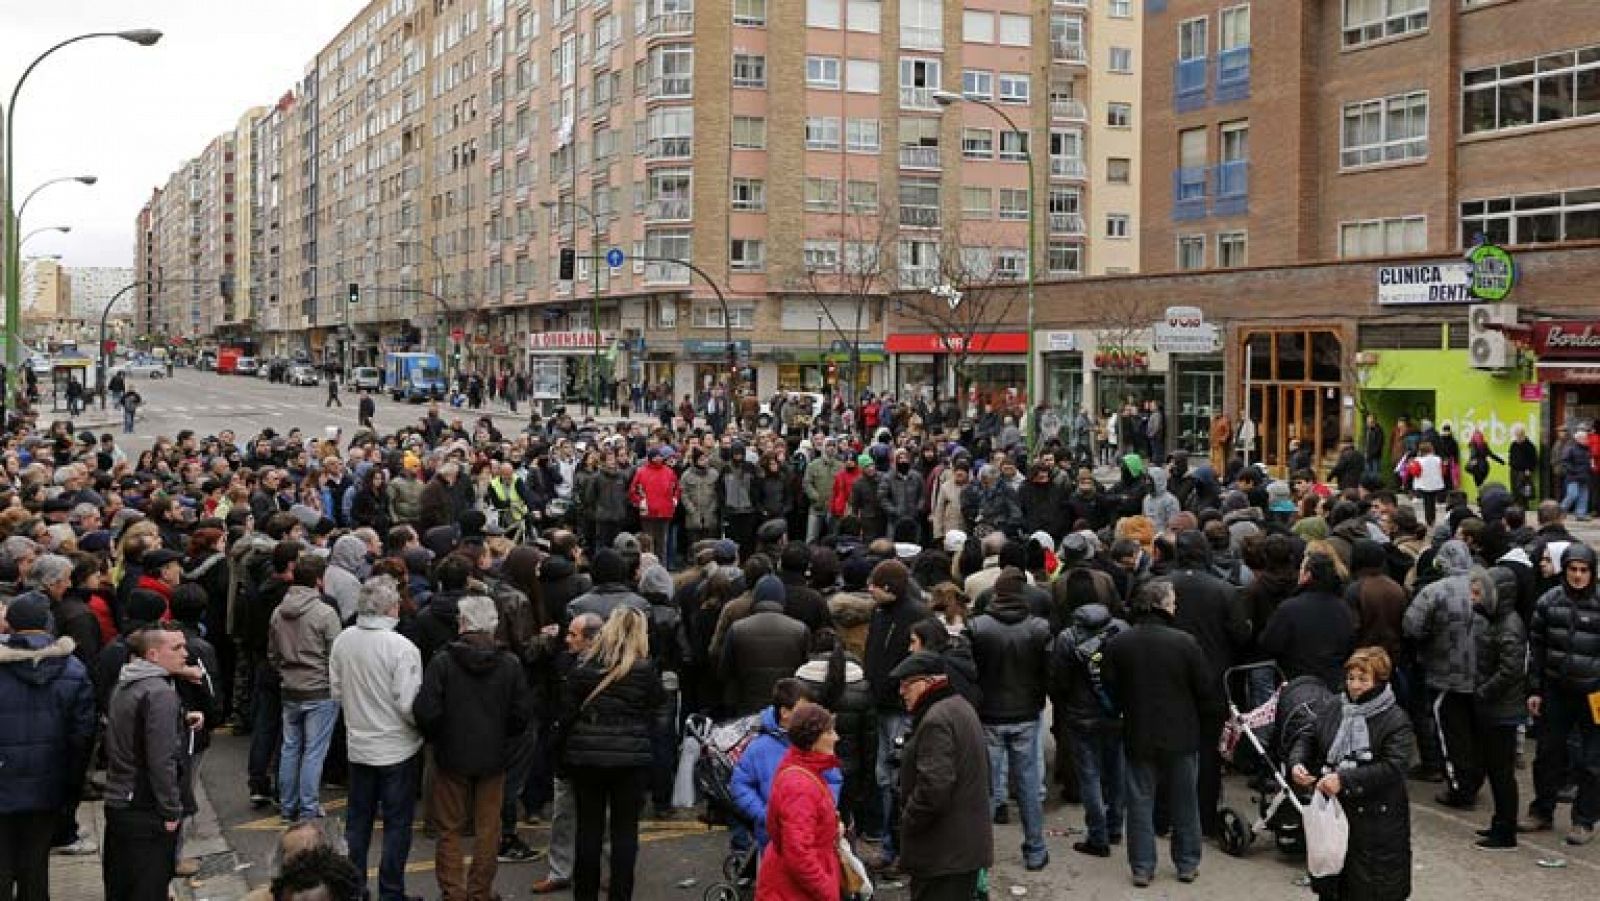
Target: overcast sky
131	114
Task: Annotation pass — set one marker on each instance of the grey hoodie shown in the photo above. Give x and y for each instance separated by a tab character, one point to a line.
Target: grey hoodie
347	569
146	761
1160	505
1439	620
300	641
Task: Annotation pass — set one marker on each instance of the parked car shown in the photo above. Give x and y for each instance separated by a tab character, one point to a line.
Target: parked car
303	374
40	366
149	369
207	360
246	366
366	378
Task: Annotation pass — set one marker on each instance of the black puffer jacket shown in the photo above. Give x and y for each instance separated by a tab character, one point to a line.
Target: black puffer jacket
559	583
473	699
855	720
1011	647
1564	638
888	643
435	625
613	729
1501	643
1073	691
760	649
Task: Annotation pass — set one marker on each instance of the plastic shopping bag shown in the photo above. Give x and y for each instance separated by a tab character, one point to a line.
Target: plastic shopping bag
1327	835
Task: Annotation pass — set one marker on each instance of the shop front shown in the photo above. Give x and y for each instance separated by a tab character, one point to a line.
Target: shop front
993	367
704	364
827	369
1294	390
1062	365
562	364
1568	372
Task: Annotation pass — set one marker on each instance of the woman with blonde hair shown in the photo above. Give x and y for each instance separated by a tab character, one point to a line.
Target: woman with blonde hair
610	701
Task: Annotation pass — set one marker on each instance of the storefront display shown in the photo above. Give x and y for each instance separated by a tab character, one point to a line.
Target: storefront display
1293	390
995	366
1201	393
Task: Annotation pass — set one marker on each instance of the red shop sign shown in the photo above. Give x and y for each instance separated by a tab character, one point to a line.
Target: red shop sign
1567	338
986	343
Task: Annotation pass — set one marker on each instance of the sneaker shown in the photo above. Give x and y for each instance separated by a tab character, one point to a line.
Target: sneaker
260	795
1141	880
1580	835
1534	823
1038	863
83	847
515	850
1092	849
1493	842
1002	815
1188	877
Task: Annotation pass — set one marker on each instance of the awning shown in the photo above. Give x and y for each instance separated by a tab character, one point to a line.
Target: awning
1570	371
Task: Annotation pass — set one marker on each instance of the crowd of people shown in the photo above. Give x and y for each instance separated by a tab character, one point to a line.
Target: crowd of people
511	624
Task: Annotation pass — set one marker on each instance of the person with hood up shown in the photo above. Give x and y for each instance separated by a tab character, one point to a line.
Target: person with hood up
1439	622
300	641
1563	671
1043	501
761	648
850	609
610	574
1090	724
751	783
1377	600
1500	701
654	490
1011	649
866	499
47	725
347	569
473	700
802	863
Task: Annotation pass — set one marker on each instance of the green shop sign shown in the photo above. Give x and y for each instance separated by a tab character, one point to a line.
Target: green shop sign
1494	273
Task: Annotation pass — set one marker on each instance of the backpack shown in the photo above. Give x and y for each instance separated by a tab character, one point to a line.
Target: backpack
1089	653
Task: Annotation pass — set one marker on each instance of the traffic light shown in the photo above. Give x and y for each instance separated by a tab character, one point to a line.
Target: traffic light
569	264
355	293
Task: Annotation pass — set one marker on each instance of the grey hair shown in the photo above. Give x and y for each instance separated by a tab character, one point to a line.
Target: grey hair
16	547
379	596
48	570
589	624
367	535
478	614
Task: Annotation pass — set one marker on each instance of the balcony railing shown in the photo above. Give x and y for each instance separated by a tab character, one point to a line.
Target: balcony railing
666	273
1067	167
1189	84
1068	109
919	37
668	24
917	98
671	86
1231	184
1233	75
676	148
919	157
1064	50
1189	193
1066	223
919	277
669	209
919	216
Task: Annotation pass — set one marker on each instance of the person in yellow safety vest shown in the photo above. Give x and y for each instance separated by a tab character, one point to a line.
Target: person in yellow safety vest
505	495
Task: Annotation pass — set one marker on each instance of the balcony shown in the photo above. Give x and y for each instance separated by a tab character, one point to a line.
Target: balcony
666	273
669	209
1068	167
671	87
1069	109
1189	85
919	277
1231	184
1066	224
917	98
920	37
678	148
1189	193
1233	75
913	157
670	25
1063	50
919	216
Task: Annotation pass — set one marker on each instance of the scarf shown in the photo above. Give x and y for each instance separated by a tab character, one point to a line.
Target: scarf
1352	745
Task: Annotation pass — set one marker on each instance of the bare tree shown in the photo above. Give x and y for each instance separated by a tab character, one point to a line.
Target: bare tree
855	279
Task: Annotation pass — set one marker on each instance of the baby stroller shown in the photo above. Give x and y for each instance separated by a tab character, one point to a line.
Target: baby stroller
1269	730
721	746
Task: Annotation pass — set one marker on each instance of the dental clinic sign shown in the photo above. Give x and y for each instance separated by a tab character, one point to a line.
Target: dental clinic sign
1425	283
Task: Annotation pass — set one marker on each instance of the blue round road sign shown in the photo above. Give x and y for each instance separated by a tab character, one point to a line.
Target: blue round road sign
614	258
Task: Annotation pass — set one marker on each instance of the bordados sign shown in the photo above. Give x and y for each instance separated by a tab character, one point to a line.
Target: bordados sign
1567	338
1425	283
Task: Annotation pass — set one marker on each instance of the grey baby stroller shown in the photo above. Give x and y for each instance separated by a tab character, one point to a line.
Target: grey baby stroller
1256	743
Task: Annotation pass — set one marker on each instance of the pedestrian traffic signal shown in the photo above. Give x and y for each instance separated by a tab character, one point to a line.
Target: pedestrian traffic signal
569	264
355	293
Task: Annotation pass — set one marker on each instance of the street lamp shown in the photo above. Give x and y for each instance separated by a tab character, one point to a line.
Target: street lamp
144	37
80	179
594	286
64	229
950	98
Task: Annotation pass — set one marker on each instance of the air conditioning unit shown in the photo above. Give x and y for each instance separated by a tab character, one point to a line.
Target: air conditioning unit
1490	348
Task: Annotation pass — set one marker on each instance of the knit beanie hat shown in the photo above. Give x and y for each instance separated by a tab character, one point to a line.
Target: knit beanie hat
892	575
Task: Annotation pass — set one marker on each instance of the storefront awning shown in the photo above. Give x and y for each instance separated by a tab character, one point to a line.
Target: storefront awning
983	343
1570	371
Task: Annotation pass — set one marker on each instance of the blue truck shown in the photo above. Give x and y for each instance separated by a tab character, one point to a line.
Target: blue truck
414	377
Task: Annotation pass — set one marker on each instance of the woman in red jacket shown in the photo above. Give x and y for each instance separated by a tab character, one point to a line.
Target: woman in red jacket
801	862
843	482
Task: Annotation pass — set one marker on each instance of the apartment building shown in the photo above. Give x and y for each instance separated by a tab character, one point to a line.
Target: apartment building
263	263
94	286
1387	126
146	265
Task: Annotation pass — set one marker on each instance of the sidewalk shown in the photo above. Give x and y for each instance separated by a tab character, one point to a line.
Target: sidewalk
219	877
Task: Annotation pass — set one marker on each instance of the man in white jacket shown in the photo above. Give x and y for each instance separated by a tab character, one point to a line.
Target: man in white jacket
374	674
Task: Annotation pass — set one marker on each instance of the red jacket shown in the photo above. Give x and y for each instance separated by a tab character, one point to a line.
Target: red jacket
842	483
801	862
657	484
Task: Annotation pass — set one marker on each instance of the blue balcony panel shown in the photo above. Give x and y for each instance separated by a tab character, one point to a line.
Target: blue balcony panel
1233	75
1189	85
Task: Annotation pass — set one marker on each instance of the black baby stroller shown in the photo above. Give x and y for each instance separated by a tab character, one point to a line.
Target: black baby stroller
721	746
1269	730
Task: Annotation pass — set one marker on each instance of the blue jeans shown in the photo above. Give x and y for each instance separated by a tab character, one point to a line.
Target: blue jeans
1097	758
307	731
1179	774
891	726
1577	497
818	524
391	790
127	420
1017	745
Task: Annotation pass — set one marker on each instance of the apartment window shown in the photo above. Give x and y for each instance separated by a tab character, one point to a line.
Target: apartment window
1121	59
1533	218
1191	251
749	70
862	76
1011	264
709	316
1385	237
919	78
1014	203
1065	257
977	84
1014	146
1119	115
922	24
1233	28
750	12
977	26
1551	88
1192	39
672	70
822	13
822	256
862	136
746	255
1366	21
1231	250
1118	225
822	194
1119	170
977	143
1014	88
749	194
668	244
749	133
976	202
977	263
1016	31
861	196
822	133
919	202
1386	129
865	16
822	72
1121	9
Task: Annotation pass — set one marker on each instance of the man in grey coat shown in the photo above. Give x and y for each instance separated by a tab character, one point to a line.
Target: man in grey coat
1439	621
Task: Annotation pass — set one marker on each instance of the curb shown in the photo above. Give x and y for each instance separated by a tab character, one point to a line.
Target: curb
221	875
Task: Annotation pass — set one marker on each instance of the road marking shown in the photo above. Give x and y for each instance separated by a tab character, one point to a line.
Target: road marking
1522	840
